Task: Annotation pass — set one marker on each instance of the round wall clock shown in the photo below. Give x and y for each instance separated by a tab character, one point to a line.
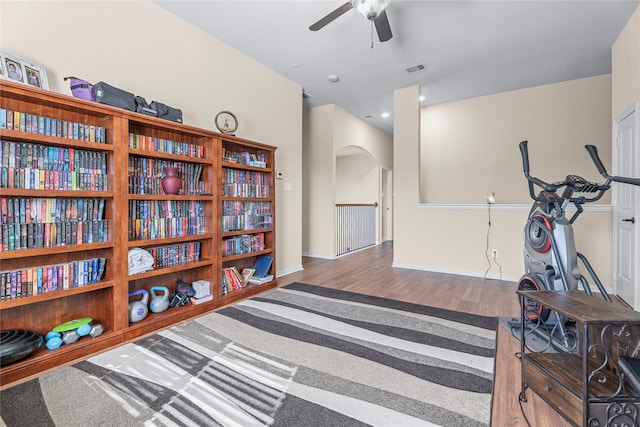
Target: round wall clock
226	122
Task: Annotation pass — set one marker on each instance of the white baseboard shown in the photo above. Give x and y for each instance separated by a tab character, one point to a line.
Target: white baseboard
490	275
291	270
314	255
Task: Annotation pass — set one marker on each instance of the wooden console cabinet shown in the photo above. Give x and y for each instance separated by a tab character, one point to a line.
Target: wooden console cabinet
80	187
577	373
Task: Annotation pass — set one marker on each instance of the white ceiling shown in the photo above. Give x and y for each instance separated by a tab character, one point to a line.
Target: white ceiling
471	48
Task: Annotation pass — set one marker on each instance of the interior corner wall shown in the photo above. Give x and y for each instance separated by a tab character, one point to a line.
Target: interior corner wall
625	66
140	47
453	236
319	198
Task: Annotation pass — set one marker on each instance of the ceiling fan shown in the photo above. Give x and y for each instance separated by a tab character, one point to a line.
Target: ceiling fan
373	10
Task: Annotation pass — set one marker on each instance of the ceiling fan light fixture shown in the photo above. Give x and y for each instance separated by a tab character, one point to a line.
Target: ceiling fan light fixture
370	8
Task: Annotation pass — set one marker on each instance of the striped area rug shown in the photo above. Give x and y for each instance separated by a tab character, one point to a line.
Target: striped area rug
300	355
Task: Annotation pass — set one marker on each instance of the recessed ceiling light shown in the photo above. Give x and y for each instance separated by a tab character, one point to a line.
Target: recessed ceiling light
385	114
333	78
422	98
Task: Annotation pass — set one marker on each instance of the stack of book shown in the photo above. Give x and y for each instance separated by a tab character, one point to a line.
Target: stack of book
261	270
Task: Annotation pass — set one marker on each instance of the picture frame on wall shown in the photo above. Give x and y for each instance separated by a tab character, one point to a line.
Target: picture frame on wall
19	70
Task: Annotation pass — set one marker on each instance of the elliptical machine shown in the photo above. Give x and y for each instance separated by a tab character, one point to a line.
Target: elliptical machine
550	254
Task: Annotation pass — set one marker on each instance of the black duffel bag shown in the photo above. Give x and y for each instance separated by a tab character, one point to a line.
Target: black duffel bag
106	94
166	112
142	106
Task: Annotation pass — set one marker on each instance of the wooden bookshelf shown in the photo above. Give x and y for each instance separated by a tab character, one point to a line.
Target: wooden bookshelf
247	206
121	154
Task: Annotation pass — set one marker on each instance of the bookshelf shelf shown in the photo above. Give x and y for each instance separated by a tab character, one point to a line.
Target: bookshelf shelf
65	249
55	294
113	147
240	232
13	192
247	255
169	270
54	140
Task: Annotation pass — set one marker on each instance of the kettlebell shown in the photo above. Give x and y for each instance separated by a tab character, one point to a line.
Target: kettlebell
138	309
159	303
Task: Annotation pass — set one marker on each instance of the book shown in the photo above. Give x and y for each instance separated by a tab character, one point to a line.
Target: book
262	266
202	299
247	273
260	280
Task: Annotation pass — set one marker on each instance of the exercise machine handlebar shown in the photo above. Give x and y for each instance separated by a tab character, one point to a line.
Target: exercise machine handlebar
593	152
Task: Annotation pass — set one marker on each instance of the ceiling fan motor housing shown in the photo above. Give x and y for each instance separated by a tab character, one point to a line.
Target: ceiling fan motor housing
370	8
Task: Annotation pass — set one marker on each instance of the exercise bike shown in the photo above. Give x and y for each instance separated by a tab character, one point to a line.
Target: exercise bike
550	255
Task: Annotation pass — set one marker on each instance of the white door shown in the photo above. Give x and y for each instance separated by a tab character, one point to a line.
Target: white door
625	208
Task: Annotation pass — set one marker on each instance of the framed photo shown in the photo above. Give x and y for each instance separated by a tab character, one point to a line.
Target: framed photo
19	70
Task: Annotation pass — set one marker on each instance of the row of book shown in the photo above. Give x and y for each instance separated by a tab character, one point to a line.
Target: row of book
246	190
243	244
33	123
231	280
26	210
144	185
243	177
172	255
39	179
149	209
244	158
50	278
15	237
246	222
240	207
163	228
154	168
37	156
151	143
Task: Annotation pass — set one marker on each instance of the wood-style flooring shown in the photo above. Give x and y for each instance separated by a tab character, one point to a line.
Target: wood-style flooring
370	272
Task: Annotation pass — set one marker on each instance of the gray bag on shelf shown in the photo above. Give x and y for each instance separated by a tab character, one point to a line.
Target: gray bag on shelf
166	112
106	94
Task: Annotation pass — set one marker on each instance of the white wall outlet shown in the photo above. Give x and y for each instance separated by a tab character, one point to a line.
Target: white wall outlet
491	198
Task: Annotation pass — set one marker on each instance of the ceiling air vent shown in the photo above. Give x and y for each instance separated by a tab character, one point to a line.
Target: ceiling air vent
415	68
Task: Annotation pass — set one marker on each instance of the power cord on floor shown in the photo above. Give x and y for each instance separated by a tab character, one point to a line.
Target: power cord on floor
486	251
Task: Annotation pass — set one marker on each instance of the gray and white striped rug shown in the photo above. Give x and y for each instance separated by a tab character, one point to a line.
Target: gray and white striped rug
300	355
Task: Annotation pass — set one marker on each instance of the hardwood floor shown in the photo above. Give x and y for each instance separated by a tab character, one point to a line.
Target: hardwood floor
460	293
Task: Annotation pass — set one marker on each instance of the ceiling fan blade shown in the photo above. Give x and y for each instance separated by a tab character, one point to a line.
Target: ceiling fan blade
382	26
331	16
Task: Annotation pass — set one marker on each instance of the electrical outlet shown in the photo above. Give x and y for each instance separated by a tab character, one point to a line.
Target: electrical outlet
491	198
494	253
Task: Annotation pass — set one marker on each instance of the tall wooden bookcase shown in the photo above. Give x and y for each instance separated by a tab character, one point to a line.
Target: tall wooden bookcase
84	158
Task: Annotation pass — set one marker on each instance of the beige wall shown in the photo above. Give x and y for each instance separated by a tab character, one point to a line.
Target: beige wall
449	234
318	198
625	64
140	47
470	147
327	130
